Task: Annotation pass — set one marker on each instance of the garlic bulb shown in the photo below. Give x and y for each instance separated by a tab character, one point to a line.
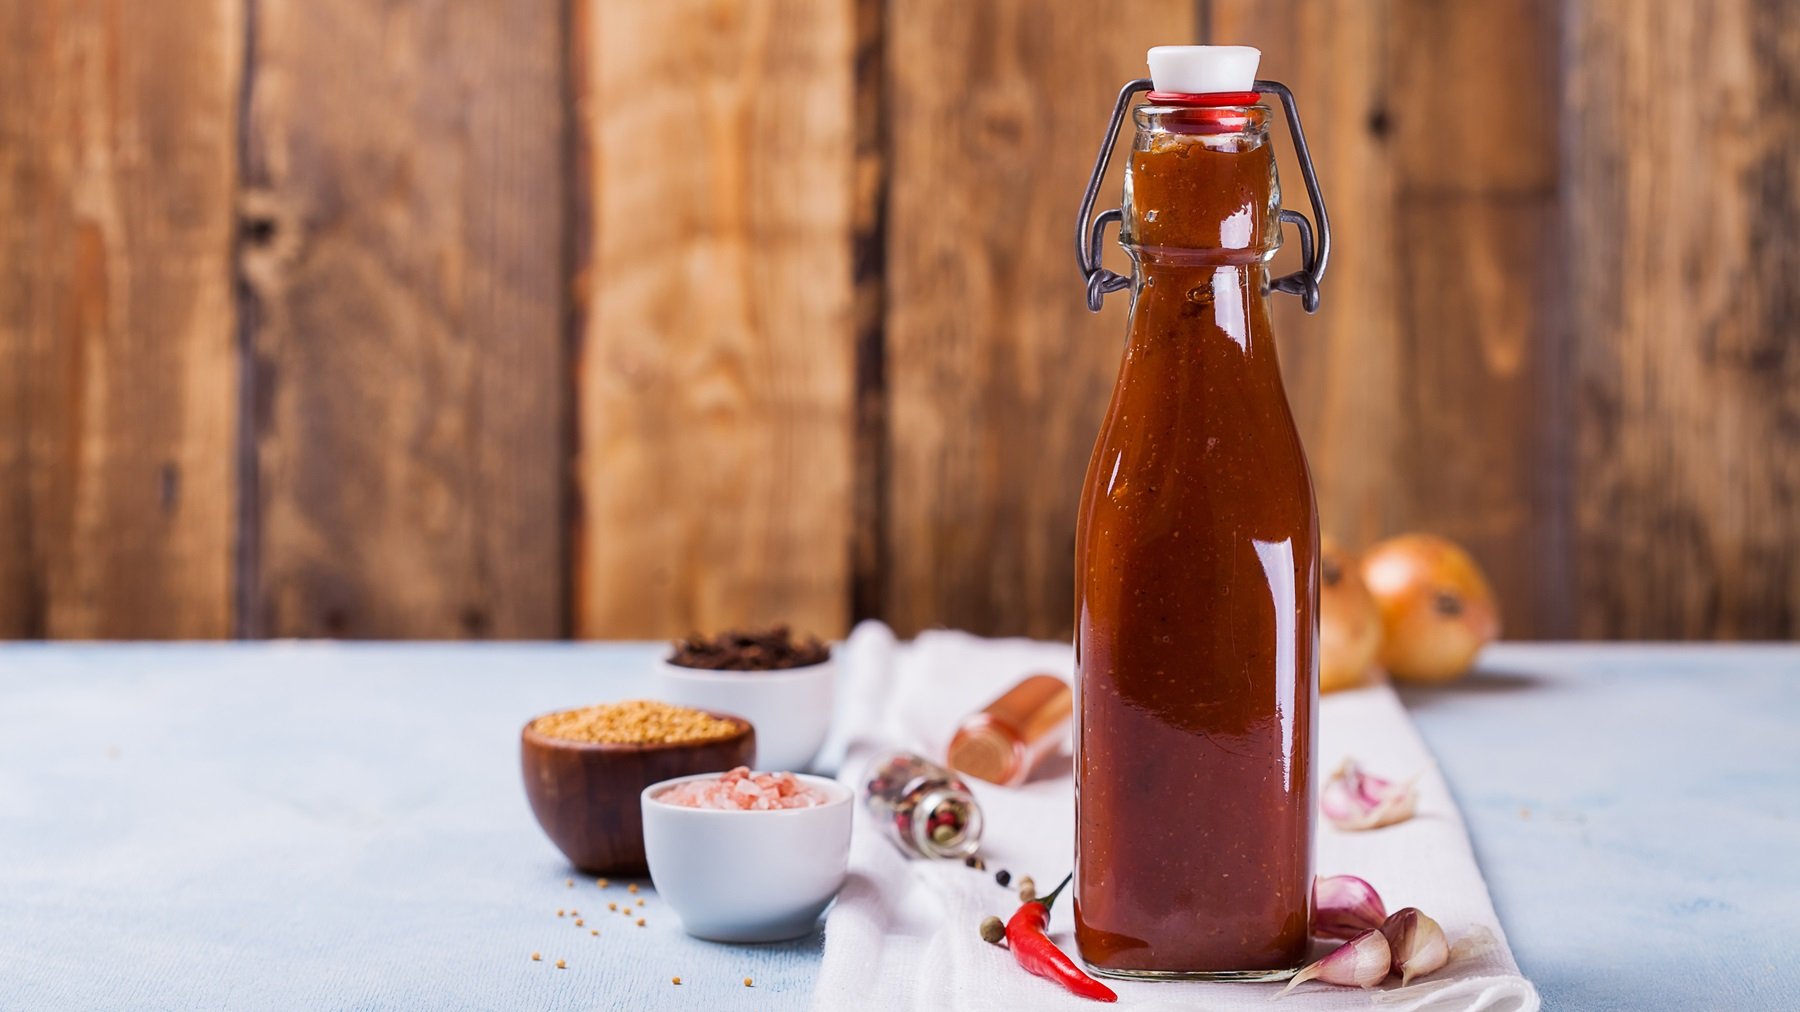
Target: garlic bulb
1355	800
1345	906
1363	961
1417	944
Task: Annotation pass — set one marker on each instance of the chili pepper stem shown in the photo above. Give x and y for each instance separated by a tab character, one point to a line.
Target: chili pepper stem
1047	900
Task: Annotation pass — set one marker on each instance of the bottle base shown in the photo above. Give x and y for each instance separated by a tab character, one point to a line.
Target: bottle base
1225	976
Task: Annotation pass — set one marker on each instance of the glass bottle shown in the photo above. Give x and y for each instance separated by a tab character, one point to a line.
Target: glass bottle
1197	571
923	808
1005	740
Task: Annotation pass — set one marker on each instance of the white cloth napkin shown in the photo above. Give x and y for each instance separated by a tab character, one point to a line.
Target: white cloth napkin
903	932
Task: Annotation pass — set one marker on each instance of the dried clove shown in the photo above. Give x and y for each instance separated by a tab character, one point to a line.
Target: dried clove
1363	961
1356	800
1416	943
1345	906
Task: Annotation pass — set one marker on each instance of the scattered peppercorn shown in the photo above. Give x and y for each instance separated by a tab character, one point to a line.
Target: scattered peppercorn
1003	877
974	861
560	965
1027	889
992	930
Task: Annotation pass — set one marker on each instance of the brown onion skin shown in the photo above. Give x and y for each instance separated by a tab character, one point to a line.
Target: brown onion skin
1437	609
1349	622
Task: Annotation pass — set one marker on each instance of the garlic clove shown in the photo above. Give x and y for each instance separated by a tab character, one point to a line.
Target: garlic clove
1363	961
1354	800
1417	944
1344	906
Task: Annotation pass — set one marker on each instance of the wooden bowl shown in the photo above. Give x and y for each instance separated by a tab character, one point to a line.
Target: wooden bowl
586	795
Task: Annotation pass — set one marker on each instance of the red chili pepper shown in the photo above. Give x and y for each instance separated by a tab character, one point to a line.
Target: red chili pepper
1031	946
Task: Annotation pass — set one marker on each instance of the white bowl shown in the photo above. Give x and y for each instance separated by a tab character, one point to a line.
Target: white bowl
748	876
790	709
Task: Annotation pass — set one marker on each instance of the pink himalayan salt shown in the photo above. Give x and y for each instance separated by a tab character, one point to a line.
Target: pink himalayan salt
743	790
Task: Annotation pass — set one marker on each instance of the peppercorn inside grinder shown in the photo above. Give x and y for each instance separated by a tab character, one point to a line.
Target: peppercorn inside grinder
923	808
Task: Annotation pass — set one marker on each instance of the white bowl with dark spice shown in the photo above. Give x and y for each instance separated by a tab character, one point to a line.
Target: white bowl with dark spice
747	875
783	685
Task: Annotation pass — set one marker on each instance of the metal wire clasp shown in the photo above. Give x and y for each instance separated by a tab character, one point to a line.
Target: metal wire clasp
1090	227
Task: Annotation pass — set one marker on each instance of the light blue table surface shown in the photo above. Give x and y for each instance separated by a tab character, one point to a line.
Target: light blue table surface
318	825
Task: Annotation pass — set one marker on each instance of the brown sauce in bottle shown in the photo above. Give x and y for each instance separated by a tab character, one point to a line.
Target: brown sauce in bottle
1197	586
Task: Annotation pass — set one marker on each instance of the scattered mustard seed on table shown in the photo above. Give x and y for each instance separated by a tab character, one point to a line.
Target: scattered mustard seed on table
574	913
570	884
747	982
640	903
675	980
632	888
579	924
559	913
560	965
640	922
537	957
612	906
593	931
600	882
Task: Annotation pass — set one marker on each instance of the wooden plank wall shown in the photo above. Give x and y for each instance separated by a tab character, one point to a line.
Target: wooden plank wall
118	365
481	319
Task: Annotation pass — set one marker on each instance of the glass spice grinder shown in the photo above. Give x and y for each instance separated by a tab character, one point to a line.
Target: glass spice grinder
1197	549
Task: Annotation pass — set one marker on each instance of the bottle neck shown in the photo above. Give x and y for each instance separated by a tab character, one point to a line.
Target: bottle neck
1201	188
1180	301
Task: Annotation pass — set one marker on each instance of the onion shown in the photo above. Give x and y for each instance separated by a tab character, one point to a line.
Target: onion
1349	623
1437	610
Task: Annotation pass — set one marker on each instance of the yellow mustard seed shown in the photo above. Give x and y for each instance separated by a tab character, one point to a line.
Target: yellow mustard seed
640	922
574	913
560	965
593	931
632	888
747	982
570	884
640	903
560	913
537	957
602	883
675	980
579	924
612	906
637	722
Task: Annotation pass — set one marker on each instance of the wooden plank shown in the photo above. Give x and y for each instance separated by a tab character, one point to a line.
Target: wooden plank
716	368
405	272
118	383
1682	209
1484	348
1427	386
997	374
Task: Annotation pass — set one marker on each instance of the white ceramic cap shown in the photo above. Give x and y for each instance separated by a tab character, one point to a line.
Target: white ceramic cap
1204	70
